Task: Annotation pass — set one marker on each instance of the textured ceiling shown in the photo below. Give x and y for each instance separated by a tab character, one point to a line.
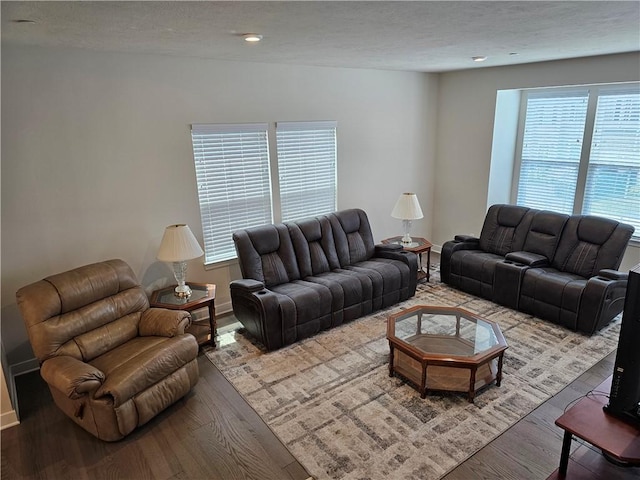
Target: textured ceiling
424	36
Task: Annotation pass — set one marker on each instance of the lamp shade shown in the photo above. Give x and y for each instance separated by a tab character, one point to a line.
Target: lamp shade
407	207
179	244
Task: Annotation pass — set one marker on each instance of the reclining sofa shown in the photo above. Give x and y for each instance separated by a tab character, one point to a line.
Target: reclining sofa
303	277
556	267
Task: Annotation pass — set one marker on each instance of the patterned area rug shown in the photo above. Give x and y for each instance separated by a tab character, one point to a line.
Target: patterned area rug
331	401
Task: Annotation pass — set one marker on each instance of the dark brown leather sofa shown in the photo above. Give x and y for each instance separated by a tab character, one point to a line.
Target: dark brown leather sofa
556	267
303	277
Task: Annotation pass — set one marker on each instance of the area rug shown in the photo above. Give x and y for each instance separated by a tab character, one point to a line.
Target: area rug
332	403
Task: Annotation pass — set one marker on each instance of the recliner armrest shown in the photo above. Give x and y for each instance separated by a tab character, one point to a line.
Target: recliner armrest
248	284
71	376
389	247
613	274
527	258
466	238
162	322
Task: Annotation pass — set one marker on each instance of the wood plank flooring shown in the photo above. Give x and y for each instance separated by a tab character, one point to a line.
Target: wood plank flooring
213	434
210	434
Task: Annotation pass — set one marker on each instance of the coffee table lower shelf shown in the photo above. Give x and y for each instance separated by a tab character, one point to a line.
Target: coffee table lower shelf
445	375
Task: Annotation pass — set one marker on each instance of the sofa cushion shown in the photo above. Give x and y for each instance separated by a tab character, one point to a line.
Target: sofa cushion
142	362
544	233
553	295
266	254
473	271
388	277
590	244
505	228
314	246
352	236
305	308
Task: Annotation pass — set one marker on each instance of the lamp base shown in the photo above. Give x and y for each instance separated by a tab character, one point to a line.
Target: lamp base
406	238
180	272
182	291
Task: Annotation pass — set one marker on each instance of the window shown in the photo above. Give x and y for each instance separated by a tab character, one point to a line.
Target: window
306	168
235	186
579	152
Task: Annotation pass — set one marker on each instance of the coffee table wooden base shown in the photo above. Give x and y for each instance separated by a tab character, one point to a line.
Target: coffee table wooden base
429	375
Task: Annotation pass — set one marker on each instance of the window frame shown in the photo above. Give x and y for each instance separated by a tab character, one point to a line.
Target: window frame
323	134
206	176
270	149
593	92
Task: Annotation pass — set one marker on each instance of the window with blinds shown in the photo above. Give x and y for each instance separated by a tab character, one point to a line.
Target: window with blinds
551	149
233	180
580	152
613	178
306	168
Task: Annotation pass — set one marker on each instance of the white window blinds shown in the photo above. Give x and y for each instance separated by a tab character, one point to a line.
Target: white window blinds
234	188
307	168
580	152
613	178
551	149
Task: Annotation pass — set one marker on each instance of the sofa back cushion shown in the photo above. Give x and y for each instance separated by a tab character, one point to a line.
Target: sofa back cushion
84	312
352	234
314	246
544	233
266	254
590	244
505	228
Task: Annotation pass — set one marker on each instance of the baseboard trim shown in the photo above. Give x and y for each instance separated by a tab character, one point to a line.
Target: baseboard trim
9	419
24	367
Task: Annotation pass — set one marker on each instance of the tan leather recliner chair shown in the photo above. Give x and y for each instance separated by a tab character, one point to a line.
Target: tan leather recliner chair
111	362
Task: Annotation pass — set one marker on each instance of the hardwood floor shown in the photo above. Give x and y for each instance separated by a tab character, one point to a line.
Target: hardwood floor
531	448
213	434
210	434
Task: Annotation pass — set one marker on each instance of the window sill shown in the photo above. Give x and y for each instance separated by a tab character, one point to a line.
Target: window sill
221	264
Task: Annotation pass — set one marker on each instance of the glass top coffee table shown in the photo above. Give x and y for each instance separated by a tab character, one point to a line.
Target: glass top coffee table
445	349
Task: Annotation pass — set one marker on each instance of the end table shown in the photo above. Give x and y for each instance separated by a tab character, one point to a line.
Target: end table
419	246
202	295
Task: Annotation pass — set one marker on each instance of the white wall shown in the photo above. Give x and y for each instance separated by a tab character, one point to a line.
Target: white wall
97	160
466	111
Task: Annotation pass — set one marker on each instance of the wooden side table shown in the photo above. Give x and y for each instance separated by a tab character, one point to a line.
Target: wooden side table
587	420
203	295
418	246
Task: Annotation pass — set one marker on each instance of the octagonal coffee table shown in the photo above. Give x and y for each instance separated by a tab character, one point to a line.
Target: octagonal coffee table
445	349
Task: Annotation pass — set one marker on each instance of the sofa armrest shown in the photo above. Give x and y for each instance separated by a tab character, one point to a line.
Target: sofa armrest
162	322
71	376
396	252
613	274
258	309
249	285
460	242
389	247
466	239
527	258
602	299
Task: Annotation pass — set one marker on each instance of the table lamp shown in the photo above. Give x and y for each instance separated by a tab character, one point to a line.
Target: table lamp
177	246
407	208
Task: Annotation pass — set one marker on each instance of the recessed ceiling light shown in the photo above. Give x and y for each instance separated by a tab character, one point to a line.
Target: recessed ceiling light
252	37
479	58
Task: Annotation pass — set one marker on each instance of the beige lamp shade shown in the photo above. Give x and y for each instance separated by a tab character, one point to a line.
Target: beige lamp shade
179	244
407	207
